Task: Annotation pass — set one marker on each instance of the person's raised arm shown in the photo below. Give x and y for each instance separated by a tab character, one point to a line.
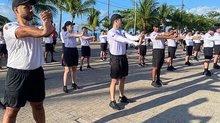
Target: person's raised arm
77	35
28	31
122	39
88	37
134	38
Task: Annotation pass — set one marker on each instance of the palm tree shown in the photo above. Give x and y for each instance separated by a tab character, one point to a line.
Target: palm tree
163	14
93	19
77	7
3	20
61	6
146	13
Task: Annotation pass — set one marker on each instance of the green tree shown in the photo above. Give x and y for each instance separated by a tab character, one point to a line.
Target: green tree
164	12
3	20
78	8
93	19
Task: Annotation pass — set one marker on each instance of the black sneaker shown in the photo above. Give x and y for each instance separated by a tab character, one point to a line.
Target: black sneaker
156	84
173	67
207	73
75	86
140	65
216	67
169	68
53	60
80	68
89	67
114	105
123	99
162	83
65	89
188	63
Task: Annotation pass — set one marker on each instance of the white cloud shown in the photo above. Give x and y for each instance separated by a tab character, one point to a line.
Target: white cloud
203	10
7	12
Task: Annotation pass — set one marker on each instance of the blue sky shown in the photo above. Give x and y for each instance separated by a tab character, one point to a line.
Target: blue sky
194	6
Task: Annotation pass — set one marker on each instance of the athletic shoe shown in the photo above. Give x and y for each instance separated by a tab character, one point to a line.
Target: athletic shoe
89	67
75	86
216	67
169	68
156	84
173	67
207	73
53	60
114	105
123	99
162	83
140	65
80	68
195	58
65	89
188	63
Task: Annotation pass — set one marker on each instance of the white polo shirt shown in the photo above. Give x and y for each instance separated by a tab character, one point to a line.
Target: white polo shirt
24	53
118	39
48	40
216	41
103	38
85	42
208	41
171	43
69	42
157	43
189	41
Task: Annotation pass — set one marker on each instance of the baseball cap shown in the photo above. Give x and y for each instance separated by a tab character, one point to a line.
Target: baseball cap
115	17
212	29
68	23
16	3
156	25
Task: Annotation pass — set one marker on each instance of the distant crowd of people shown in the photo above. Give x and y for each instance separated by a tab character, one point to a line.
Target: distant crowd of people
21	45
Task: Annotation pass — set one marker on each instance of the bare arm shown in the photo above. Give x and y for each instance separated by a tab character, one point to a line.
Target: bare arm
163	37
75	35
88	37
27	31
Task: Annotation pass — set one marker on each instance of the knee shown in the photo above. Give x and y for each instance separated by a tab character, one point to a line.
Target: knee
37	106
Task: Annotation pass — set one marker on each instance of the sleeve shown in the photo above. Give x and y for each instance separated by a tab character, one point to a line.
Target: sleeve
214	38
119	38
134	38
9	30
153	36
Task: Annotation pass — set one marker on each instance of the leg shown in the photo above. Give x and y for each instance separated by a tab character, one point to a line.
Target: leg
158	73
121	86
154	72
10	115
38	112
65	75
81	60
215	59
45	56
112	89
73	74
88	60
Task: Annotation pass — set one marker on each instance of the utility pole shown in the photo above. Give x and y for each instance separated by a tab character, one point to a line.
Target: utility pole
135	16
182	6
108	14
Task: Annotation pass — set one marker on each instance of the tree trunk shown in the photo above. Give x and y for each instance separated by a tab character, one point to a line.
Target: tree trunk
60	23
93	30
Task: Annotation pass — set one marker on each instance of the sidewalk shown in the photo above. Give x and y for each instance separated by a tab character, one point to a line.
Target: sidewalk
189	96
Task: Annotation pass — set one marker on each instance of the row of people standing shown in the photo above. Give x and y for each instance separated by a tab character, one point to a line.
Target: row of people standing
70	54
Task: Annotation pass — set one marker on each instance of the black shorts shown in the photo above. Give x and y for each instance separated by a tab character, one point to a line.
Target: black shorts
3	49
208	52
119	66
171	52
217	49
48	47
71	56
24	85
103	46
197	46
189	50
158	58
142	50
85	51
